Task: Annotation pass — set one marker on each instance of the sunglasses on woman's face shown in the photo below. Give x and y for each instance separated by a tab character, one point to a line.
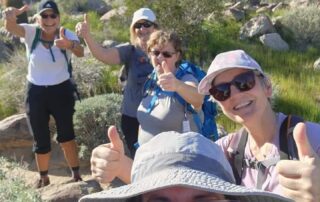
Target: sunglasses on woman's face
52	16
243	82
145	24
165	54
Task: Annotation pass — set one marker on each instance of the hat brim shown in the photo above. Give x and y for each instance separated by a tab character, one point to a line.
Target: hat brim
186	178
205	84
45	9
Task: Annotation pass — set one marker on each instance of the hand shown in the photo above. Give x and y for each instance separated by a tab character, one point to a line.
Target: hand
166	79
83	28
63	42
107	159
300	180
11	13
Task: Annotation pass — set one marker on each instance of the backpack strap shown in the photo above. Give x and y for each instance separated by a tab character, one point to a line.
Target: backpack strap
288	147
35	41
236	156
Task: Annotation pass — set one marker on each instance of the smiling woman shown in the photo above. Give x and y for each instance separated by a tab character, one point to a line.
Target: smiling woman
160	110
137	65
50	91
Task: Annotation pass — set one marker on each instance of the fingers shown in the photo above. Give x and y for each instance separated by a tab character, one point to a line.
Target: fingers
282	168
22	10
62	35
85	18
162	68
115	140
165	67
301	139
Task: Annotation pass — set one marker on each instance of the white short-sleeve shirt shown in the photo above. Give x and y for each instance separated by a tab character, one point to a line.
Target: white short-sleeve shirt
42	70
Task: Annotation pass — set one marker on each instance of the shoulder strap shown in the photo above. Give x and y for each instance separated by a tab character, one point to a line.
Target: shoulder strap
35	40
236	156
288	147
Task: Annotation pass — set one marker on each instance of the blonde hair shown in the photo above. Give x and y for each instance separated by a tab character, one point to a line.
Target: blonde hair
133	35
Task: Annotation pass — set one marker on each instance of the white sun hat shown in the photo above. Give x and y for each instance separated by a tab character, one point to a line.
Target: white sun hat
143	14
187	160
224	61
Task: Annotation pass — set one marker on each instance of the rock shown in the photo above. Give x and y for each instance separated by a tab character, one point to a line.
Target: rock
316	65
15	139
256	26
69	192
264	9
109	43
274	41
99	6
113	12
16	143
237	14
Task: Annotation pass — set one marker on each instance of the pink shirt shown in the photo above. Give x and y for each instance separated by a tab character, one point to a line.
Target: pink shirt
249	175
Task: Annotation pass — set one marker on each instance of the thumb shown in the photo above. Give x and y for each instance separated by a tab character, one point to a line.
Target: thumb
62	35
165	67
301	139
86	18
115	140
22	10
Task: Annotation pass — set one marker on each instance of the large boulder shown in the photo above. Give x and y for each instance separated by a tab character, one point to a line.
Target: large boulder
113	12
16	143
316	65
256	27
15	138
274	41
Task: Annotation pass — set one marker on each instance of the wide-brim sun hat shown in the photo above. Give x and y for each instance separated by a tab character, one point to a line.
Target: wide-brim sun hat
143	14
225	61
48	5
188	160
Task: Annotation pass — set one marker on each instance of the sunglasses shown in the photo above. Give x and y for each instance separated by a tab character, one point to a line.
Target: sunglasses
145	24
243	82
165	54
52	16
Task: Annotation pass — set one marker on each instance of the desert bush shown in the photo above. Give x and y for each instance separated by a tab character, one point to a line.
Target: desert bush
12	187
304	24
13	84
92	118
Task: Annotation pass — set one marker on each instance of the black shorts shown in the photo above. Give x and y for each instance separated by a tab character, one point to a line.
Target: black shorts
43	101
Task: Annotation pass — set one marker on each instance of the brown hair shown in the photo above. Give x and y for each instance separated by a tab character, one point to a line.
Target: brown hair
161	37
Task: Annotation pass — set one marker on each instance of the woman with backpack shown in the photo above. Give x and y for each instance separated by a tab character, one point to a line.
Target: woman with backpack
160	109
243	91
50	91
138	67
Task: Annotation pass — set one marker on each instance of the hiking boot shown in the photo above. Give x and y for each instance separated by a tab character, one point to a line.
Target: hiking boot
43	181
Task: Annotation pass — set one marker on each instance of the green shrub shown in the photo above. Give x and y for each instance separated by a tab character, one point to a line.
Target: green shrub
304	24
94	78
13	84
92	118
12	187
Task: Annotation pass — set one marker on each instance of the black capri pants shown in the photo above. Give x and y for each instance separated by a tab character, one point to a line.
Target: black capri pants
43	101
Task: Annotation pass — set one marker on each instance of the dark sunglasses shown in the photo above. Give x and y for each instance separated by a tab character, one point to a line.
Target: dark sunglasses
243	82
145	24
165	54
45	16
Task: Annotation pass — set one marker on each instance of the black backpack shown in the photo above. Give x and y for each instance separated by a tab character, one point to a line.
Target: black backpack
288	150
35	42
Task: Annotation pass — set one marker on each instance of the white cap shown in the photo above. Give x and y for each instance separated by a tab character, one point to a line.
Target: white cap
143	14
224	61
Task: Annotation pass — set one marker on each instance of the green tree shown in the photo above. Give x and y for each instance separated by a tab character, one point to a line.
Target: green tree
186	17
